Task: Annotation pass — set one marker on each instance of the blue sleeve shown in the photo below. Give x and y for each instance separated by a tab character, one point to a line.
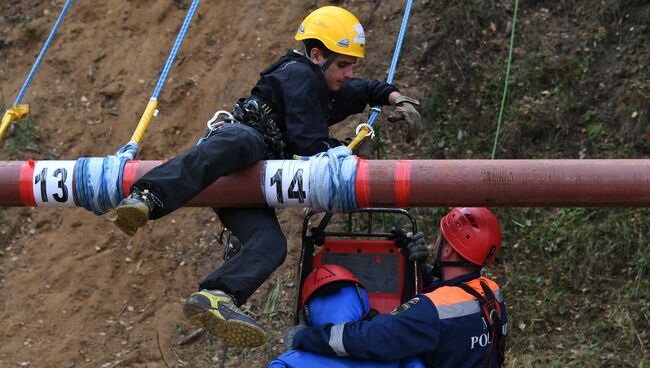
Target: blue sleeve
413	330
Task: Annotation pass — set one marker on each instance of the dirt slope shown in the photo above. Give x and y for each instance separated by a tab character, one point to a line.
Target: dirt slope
74	291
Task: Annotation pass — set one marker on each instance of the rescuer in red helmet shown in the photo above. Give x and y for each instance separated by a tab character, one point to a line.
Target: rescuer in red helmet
460	319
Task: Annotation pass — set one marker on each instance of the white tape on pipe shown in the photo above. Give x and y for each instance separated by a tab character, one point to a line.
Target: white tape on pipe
286	183
52	183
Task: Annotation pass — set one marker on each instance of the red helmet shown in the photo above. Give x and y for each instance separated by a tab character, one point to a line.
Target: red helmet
324	275
474	233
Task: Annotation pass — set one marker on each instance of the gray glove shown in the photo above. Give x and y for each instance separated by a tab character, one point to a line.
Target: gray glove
289	335
417	247
405	110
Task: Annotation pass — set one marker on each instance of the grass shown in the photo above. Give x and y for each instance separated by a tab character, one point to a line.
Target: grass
577	285
577	280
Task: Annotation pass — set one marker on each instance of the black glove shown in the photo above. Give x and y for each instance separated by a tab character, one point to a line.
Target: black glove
367	148
405	110
417	247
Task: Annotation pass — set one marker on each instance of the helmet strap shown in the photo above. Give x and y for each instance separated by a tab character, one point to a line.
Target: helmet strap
489	255
330	60
438	264
459	264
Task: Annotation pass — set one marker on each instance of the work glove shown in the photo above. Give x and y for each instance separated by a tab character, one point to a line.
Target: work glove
405	110
290	333
417	247
367	148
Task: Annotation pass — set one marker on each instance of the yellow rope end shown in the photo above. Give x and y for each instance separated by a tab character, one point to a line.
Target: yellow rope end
144	120
12	114
363	131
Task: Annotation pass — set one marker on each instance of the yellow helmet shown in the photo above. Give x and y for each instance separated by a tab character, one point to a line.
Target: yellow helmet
338	29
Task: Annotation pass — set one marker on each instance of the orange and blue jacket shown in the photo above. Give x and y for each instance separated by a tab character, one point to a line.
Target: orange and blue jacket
445	327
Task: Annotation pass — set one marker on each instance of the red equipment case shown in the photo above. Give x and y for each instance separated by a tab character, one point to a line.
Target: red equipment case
378	258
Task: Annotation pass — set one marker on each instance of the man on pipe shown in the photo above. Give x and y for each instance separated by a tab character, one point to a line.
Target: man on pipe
288	113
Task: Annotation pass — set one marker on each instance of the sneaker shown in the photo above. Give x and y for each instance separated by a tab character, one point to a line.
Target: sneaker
133	211
217	313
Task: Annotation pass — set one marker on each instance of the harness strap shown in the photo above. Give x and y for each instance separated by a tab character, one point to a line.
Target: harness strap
255	112
491	311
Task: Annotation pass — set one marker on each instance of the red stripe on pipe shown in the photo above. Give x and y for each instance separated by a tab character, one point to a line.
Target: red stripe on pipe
25	187
403	183
362	184
129	176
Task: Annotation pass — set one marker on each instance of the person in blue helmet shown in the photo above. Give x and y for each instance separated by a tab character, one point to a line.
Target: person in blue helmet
331	294
459	321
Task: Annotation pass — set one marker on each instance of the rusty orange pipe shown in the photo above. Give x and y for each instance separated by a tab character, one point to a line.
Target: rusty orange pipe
402	183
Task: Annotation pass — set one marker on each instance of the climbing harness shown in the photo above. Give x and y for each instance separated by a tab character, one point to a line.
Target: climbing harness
255	113
18	110
214	123
491	312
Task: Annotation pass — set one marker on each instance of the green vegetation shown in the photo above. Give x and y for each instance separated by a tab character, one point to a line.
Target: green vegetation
577	280
29	29
23	136
578	285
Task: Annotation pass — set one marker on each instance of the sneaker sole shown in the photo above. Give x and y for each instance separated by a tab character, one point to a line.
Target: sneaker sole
234	332
125	227
131	216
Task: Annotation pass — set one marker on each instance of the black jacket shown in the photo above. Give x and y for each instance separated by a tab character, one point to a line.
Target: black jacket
303	107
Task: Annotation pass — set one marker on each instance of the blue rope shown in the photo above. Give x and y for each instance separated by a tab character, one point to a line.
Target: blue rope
393	64
37	63
332	180
98	180
177	45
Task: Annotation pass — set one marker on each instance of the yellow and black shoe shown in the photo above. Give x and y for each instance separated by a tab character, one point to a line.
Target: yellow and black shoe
133	211
217	313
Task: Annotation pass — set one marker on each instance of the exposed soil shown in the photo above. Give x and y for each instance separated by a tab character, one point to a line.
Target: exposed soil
75	291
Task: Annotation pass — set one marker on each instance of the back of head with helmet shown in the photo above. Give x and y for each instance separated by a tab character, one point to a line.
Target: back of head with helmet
474	233
332	294
338	29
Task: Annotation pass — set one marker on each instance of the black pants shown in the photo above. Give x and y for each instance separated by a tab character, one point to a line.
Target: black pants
230	148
